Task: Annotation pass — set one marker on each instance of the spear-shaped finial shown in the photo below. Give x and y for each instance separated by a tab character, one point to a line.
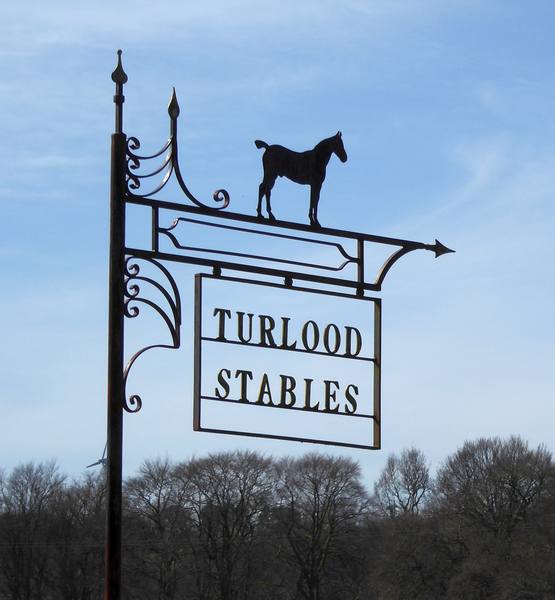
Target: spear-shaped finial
119	77
173	106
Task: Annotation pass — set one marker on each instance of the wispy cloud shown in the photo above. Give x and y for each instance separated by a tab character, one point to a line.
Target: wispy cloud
66	23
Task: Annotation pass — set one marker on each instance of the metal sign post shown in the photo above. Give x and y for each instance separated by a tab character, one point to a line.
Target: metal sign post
291	268
116	391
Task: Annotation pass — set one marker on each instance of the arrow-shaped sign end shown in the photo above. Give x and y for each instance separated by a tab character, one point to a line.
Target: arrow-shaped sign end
439	249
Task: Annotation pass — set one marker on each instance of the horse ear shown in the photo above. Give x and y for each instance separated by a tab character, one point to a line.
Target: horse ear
339	134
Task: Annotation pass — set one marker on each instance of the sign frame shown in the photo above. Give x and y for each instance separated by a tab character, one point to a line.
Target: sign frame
376	386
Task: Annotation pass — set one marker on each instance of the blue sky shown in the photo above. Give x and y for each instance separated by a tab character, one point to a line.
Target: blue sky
448	116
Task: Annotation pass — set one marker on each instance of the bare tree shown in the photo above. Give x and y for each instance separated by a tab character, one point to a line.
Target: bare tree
77	556
28	498
238	526
319	498
404	484
494	483
493	499
154	503
227	496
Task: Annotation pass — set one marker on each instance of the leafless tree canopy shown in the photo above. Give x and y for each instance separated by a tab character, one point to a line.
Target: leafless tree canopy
243	526
404	484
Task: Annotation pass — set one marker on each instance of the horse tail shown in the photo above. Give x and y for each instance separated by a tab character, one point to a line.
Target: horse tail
260	144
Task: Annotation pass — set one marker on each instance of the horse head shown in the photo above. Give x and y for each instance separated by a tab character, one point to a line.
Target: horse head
339	148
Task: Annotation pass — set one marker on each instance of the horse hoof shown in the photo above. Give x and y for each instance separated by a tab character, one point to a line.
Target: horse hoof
271	217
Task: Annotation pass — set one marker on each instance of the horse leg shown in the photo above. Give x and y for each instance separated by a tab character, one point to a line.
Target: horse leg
261	192
265	189
314	199
269	207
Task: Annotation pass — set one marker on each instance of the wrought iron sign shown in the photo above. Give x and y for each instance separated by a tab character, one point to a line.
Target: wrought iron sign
277	255
331	382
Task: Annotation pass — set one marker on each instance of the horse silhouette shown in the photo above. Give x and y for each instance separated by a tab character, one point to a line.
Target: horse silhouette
307	168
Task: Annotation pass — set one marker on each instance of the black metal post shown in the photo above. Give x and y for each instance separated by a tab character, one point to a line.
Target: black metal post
116	391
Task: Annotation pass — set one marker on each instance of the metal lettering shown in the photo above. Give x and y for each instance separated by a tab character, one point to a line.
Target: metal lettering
222	313
244	376
288	384
307	394
223	383
350	397
348	343
330	395
315	339
241	327
264	391
284	334
267	325
337	335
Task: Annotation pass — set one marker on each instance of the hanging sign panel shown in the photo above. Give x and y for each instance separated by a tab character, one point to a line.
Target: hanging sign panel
311	356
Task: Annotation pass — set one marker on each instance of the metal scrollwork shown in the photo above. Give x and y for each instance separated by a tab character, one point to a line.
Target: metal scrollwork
168	166
133	298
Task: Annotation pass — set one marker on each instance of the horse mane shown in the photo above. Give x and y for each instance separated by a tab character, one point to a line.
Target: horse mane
325	141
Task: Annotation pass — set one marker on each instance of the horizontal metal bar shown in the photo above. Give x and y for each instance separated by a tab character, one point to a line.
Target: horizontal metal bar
320	352
286	437
292	287
211	263
319	412
279	224
285	236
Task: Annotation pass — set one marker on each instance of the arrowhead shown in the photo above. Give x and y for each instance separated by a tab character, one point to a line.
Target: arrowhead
439	249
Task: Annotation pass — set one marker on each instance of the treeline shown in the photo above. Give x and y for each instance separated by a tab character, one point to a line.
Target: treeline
242	526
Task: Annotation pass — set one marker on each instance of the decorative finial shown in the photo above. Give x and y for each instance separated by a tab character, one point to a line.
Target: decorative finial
173	106
119	76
